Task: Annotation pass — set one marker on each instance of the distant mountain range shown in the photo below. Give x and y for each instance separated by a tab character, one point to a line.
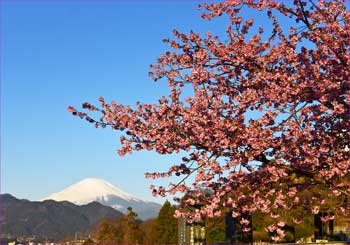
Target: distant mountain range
75	209
92	189
51	219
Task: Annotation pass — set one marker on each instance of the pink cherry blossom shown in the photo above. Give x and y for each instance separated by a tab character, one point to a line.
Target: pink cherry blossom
267	118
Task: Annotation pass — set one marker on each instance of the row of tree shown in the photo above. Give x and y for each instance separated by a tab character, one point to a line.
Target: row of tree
129	230
164	229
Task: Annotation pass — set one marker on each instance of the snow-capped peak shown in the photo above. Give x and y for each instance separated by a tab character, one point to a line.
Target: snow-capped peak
90	189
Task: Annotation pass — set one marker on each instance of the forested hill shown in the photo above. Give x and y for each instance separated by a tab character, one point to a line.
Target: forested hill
51	219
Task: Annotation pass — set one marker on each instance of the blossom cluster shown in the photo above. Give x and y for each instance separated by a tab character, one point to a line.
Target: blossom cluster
295	82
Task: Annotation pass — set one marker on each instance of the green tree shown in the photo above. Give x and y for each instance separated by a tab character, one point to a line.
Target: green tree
166	225
132	232
215	230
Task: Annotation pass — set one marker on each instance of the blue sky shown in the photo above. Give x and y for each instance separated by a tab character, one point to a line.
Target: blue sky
56	54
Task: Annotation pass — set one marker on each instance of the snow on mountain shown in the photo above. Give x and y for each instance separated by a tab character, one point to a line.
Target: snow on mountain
92	189
88	190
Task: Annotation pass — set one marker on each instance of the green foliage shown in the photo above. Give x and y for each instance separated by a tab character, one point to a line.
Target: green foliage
306	228
166	226
121	230
260	235
164	229
132	232
215	230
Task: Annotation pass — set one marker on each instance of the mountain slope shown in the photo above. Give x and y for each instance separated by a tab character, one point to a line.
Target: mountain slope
92	189
51	219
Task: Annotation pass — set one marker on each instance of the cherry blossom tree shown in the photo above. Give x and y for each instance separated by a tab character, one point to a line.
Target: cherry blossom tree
265	115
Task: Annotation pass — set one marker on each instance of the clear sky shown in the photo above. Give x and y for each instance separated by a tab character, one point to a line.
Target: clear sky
55	54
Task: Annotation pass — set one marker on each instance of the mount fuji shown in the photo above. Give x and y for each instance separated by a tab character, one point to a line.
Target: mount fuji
92	189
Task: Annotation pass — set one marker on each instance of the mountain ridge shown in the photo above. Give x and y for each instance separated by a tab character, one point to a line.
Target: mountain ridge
55	220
